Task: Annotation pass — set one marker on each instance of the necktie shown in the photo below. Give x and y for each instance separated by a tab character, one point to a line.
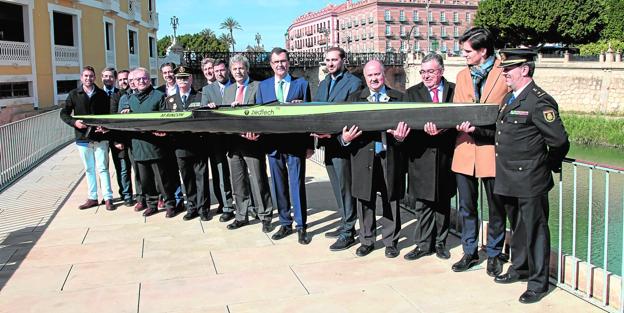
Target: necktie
221	88
184	100
435	97
379	148
280	91
511	100
331	85
240	92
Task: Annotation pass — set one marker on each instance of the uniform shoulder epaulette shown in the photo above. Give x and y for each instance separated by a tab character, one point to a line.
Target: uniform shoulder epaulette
538	92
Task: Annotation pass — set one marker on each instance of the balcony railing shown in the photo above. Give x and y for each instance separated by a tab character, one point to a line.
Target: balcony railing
134	10
153	20
111	6
66	56
14	53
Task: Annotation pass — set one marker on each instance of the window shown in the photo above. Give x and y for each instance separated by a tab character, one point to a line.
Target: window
467	17
109	36
387	16
152	47
455	17
455	31
14	90
65	86
442	17
63	29
11	22
430	16
402	30
402	16
416	19
388	30
132	41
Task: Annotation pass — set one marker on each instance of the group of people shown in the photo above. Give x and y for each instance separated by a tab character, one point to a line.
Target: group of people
512	158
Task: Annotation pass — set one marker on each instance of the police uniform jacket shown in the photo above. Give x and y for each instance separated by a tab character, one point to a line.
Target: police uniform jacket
186	144
530	142
145	145
474	153
362	150
428	157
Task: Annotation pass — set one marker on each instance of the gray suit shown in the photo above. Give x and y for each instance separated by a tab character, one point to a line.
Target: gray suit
250	182
218	160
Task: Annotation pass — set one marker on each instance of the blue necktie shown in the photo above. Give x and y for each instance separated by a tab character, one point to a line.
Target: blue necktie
511	100
379	148
331	85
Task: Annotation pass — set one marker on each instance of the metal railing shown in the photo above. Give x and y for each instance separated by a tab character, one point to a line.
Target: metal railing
13	52
25	143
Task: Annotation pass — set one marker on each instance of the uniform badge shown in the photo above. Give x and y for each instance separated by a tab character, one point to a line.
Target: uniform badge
175	107
549	115
171	100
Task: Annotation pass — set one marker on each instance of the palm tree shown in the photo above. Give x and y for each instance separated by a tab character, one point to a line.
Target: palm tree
231	24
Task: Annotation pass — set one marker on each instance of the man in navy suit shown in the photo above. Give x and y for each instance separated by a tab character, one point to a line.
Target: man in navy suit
287	152
337	86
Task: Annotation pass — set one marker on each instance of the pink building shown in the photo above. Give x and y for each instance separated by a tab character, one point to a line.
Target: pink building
384	25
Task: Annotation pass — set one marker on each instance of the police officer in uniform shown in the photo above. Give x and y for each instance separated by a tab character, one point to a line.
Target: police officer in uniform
531	141
191	155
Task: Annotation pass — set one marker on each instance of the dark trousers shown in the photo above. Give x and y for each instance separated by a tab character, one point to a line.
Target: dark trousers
390	219
339	172
530	239
288	178
194	172
250	185
432	222
221	184
156	178
123	171
138	196
468	188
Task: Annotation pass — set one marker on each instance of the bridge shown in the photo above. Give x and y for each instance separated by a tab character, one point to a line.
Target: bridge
56	258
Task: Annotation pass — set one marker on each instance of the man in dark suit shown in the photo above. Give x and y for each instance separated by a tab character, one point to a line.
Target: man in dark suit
246	154
531	141
287	152
376	166
191	155
212	96
169	87
337	86
431	183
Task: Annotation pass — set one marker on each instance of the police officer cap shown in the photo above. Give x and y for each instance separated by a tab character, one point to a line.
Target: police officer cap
181	71
516	56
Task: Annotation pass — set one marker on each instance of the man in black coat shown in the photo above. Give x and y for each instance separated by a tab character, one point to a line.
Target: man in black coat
376	166
531	141
429	153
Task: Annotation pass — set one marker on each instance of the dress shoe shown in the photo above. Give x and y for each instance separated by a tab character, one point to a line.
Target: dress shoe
282	232
140	206
510	277
161	204
391	252
226	216
171	213
531	296
129	202
219	209
343	243
88	204
441	252
237	224
333	233
266	226
180	207
466	262
494	266
190	215
364	250
150	211
204	215
416	254
109	205
302	236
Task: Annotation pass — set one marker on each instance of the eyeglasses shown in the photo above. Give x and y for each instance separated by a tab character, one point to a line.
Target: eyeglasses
142	79
430	72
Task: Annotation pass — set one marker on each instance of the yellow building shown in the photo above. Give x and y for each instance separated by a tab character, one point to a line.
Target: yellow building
45	43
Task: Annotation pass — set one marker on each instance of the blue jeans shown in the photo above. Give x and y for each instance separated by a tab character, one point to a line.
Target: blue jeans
94	157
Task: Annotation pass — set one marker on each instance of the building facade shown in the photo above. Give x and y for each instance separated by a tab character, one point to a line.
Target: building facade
45	43
384	26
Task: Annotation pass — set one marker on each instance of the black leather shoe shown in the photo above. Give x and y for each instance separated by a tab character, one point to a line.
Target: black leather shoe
204	215
343	243
531	296
226	216
494	266
171	213
282	232
333	233
364	250
441	252
416	254
237	224
466	262
302	236
266	226
149	211
190	215
219	210
392	252
510	277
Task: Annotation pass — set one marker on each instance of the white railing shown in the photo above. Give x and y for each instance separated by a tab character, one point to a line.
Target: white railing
110	58
23	144
153	20
111	5
133	60
14	53
66	56
134	10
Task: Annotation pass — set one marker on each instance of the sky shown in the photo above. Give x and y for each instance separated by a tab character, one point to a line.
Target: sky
270	18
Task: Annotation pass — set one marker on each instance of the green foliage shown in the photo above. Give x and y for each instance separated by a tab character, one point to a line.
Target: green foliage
594	129
601	46
231	24
162	45
205	40
614	15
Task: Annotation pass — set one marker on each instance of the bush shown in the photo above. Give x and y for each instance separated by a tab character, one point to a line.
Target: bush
596	48
594	130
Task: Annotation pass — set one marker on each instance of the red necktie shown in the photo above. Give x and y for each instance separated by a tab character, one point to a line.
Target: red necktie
435	95
239	93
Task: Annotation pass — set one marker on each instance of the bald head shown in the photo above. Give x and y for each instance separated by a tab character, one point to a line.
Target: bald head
374	75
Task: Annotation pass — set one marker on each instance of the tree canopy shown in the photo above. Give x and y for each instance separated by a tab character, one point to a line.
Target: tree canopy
205	40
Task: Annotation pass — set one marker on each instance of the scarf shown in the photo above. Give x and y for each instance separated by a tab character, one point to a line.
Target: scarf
479	73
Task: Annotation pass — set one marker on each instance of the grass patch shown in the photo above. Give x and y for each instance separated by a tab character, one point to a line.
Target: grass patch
594	129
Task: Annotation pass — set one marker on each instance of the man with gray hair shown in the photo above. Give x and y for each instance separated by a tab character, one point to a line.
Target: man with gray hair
429	154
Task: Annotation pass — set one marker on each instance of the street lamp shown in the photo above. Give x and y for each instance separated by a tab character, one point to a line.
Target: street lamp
174	23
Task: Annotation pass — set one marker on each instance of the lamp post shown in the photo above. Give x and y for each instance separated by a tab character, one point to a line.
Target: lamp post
326	32
174	23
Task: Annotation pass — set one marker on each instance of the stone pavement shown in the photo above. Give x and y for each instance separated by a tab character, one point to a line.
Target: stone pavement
56	258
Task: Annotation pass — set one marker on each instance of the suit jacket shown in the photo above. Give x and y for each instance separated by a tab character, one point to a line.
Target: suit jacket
531	141
78	103
429	157
362	151
295	144
236	143
186	144
344	86
145	145
211	93
474	154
